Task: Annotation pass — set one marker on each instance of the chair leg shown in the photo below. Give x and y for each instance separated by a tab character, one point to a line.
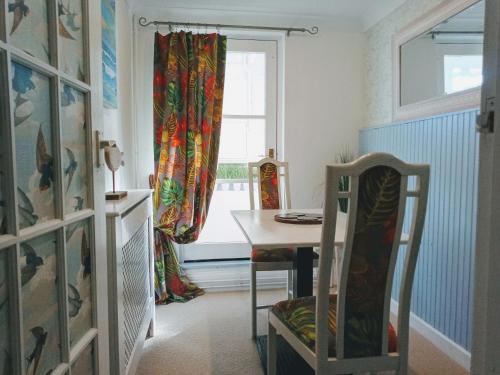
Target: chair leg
289	286
253	297
271	351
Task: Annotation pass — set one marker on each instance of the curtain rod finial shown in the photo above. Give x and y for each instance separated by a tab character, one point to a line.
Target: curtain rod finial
143	21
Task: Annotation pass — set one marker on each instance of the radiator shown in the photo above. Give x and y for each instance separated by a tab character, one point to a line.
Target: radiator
130	279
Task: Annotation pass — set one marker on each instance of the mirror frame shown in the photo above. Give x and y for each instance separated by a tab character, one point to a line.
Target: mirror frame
462	100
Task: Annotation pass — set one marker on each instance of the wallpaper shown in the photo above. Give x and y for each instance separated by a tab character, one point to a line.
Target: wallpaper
41	333
79	264
34	152
28	27
71	37
74	149
379	58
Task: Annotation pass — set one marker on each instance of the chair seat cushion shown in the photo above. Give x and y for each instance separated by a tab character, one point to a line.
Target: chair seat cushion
299	315
275	255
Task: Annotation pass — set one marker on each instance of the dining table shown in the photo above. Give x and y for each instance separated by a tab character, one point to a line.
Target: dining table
262	231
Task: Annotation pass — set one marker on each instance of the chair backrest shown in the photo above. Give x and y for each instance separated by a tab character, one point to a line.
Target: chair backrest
377	203
272	184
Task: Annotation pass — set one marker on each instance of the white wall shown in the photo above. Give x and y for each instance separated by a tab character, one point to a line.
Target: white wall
118	122
322	84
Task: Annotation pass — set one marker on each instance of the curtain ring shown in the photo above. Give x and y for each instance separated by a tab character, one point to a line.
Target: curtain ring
157	28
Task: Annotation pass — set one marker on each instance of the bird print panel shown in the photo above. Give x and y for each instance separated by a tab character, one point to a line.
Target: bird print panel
5	349
28	27
42	345
34	150
79	280
74	149
84	365
71	37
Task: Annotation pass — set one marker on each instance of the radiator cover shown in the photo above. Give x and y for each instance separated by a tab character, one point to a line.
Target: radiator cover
130	279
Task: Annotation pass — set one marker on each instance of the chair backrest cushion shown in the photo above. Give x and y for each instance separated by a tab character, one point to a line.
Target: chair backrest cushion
269	186
376	217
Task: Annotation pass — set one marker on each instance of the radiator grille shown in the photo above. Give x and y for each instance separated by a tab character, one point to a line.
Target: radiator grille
135	286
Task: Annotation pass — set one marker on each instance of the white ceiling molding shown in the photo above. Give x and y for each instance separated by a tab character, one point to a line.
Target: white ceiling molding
353	15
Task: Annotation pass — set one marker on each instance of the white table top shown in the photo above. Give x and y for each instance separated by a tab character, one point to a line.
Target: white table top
262	231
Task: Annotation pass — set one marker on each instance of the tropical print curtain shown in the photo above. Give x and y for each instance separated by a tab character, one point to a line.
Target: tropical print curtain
188	87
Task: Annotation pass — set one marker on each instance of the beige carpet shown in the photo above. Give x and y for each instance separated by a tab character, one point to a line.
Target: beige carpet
210	335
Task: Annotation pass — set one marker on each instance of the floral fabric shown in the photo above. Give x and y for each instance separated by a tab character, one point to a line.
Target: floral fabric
378	202
299	315
188	88
269	192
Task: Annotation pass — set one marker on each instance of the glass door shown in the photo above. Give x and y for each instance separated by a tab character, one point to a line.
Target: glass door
48	303
248	132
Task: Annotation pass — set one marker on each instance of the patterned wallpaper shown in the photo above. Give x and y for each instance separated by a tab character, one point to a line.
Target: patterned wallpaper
379	58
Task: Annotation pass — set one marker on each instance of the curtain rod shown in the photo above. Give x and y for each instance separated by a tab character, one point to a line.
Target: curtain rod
144	22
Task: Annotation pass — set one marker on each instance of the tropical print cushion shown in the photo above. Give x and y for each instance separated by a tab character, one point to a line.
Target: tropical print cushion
299	315
275	255
269	192
375	231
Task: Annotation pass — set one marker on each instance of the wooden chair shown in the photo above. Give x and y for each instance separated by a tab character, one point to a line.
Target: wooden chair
273	193
349	332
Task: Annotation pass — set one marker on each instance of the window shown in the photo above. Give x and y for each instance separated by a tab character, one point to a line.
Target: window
248	130
462	72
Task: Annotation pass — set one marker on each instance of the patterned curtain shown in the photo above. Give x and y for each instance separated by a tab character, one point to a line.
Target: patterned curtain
188	88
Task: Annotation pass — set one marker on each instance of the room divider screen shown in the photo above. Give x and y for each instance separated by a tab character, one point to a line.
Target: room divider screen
47	284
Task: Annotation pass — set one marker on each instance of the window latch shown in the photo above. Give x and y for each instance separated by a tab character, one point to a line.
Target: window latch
485	121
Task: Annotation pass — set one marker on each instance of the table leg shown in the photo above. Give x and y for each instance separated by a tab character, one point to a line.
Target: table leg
303	277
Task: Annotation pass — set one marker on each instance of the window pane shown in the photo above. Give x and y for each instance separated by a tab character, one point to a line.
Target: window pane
462	72
5	354
28	27
74	149
242	140
42	345
34	152
71	38
79	265
245	84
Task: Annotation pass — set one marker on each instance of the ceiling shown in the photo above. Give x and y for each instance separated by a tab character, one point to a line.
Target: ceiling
361	13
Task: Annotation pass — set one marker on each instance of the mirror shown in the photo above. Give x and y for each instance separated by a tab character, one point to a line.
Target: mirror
446	59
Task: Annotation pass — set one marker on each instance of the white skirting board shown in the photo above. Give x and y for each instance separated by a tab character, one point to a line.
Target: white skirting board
445	344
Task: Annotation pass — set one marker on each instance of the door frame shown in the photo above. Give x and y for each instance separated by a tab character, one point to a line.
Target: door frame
485	352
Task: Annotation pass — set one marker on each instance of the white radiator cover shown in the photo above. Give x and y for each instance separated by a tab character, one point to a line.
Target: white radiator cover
130	279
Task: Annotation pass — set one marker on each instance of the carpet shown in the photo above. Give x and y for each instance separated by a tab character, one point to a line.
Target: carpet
289	362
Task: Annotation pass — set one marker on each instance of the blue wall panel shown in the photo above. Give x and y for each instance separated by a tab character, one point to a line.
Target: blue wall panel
442	290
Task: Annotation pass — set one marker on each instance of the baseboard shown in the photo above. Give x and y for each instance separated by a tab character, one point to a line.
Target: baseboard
445	344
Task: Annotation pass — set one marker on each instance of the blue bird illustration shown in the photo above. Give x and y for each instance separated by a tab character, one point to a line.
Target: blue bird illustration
71	168
20	11
33	262
26	210
44	162
70	16
40	336
67	96
19	101
63	11
22	82
85	256
74	301
79	203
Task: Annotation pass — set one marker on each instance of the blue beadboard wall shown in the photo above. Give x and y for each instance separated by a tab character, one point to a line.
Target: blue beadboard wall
442	292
